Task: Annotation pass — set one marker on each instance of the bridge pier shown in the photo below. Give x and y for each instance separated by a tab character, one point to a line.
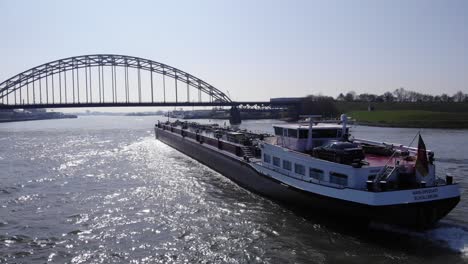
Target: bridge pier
235	116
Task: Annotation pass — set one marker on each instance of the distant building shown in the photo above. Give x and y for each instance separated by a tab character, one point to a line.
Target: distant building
286	99
40	110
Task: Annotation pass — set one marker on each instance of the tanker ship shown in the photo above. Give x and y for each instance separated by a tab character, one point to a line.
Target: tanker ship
318	167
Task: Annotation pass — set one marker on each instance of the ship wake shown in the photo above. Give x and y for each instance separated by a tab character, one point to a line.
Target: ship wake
449	235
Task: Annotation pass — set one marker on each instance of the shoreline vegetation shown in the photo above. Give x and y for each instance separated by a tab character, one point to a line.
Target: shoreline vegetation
450	115
31	115
400	108
411	119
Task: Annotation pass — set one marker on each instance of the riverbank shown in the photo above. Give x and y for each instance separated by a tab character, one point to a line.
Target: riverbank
19	116
21	119
411	119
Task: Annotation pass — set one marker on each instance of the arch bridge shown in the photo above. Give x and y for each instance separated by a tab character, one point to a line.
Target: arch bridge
107	80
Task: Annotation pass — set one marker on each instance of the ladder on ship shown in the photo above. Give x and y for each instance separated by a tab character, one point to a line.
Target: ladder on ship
388	171
247	152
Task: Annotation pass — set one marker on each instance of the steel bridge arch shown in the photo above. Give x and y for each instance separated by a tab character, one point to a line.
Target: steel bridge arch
45	70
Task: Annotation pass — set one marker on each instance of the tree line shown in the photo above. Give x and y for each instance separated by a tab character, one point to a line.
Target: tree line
326	105
400	95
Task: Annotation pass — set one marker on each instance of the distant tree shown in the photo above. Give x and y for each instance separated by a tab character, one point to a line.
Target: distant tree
444	98
318	104
459	97
340	97
365	97
361	97
350	96
427	98
317	98
381	98
415	96
388	97
400	94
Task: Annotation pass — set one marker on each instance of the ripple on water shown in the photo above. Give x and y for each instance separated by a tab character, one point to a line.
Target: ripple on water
119	195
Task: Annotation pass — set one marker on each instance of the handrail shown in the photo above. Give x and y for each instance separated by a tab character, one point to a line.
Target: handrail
383	144
384	168
390	173
379	175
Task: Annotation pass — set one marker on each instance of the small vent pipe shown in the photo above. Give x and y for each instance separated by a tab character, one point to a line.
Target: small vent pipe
344	122
309	145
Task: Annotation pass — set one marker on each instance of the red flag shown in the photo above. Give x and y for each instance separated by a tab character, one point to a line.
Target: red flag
421	161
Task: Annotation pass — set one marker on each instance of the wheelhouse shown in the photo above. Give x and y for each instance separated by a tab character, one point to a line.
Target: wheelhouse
296	136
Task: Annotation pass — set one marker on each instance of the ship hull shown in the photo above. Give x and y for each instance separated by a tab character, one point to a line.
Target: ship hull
415	215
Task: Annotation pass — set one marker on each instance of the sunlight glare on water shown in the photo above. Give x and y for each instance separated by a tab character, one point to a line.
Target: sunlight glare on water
76	192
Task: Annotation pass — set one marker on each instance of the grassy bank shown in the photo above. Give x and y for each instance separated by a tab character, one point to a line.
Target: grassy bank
346	107
411	118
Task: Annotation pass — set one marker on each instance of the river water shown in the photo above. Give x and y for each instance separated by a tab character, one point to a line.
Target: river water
103	190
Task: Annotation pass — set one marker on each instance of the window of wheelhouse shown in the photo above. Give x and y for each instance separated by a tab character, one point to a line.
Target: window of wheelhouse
292	133
278	131
299	169
287	165
325	133
276	161
303	133
286	132
340	132
266	158
338	178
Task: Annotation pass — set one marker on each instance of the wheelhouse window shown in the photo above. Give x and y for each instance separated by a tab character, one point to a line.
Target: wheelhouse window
276	161
338	178
338	133
278	131
325	133
266	158
292	133
303	133
316	174
287	165
299	169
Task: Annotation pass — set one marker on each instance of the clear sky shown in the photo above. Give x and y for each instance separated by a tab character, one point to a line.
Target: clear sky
255	49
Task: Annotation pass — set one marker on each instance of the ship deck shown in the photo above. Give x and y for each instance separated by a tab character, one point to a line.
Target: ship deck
380	161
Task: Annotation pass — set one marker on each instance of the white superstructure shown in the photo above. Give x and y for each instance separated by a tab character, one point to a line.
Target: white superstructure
378	179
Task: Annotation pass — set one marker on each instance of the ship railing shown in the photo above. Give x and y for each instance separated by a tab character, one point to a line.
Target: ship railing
387	144
382	173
